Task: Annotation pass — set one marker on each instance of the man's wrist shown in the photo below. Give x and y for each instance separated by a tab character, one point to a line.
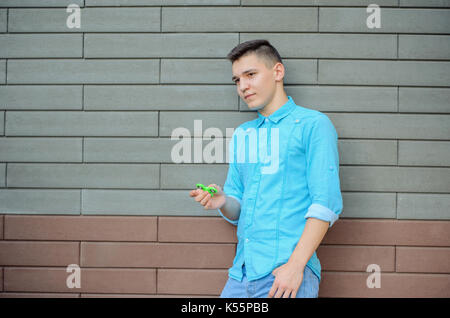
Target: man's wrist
298	264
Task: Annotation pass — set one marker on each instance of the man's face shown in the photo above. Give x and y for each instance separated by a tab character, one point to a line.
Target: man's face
255	83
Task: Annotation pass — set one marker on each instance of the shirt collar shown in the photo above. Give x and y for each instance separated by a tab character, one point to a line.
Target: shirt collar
279	114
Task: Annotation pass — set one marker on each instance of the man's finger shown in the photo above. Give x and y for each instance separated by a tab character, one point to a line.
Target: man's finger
287	293
200	196
206	198
279	293
272	290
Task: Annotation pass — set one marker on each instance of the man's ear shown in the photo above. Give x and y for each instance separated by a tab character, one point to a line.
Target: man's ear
279	71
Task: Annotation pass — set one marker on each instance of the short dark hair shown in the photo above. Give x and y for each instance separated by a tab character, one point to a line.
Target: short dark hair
262	48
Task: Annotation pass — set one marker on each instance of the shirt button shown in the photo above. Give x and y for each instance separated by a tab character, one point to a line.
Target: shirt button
267	120
296	120
246	240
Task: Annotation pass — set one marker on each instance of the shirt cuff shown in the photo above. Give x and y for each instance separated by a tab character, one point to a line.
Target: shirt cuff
321	212
234	222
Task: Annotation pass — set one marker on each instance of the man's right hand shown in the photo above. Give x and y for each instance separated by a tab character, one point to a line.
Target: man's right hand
205	199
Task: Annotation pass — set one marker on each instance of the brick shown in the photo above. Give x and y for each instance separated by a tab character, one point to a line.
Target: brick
389	232
239	19
391	126
321	45
159	2
368	205
393	20
143	296
41	45
367	152
36	280
127	149
2	175
356	258
160	97
61	97
182	176
38	295
30	149
426	3
342	98
393	285
169	121
201	71
160	255
191	281
300	71
81	228
395	179
1	226
424	153
423	206
156	150
3	20
2	72
425	100
42	201
119	281
2	120
23	175
142	202
195	229
215	71
78	123
71	71
40	3
39	253
316	2
407	73
422	259
92	280
92	20
433	47
159	45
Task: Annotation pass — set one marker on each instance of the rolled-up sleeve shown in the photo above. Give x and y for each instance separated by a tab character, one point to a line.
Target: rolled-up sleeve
322	171
233	186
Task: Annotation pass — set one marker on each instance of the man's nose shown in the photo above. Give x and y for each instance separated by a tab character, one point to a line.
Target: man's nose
243	85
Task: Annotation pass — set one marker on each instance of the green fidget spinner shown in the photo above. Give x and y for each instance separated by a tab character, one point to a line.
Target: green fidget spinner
211	190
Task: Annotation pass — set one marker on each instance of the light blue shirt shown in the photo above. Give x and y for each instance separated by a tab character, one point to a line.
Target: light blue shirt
281	175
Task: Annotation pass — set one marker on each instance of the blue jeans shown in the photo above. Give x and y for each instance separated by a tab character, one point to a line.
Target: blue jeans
260	288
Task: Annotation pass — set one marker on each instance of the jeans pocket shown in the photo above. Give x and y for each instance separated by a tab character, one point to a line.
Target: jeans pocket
310	285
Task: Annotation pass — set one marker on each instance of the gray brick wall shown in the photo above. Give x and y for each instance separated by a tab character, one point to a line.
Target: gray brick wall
86	114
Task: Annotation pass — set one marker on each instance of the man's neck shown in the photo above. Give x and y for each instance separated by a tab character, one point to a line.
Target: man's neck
274	105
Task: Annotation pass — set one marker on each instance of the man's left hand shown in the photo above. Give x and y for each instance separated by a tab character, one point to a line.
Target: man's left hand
288	278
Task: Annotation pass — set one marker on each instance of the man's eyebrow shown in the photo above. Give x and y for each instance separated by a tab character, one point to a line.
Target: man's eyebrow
247	71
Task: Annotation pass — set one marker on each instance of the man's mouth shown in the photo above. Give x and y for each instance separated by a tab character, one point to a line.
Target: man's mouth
246	97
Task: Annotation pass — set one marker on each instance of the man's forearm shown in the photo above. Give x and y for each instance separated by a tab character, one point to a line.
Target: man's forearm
312	235
231	209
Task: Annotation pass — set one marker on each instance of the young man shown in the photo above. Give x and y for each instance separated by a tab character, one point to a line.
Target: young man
282	213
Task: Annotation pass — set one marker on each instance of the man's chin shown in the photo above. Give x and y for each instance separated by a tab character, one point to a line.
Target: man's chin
259	107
